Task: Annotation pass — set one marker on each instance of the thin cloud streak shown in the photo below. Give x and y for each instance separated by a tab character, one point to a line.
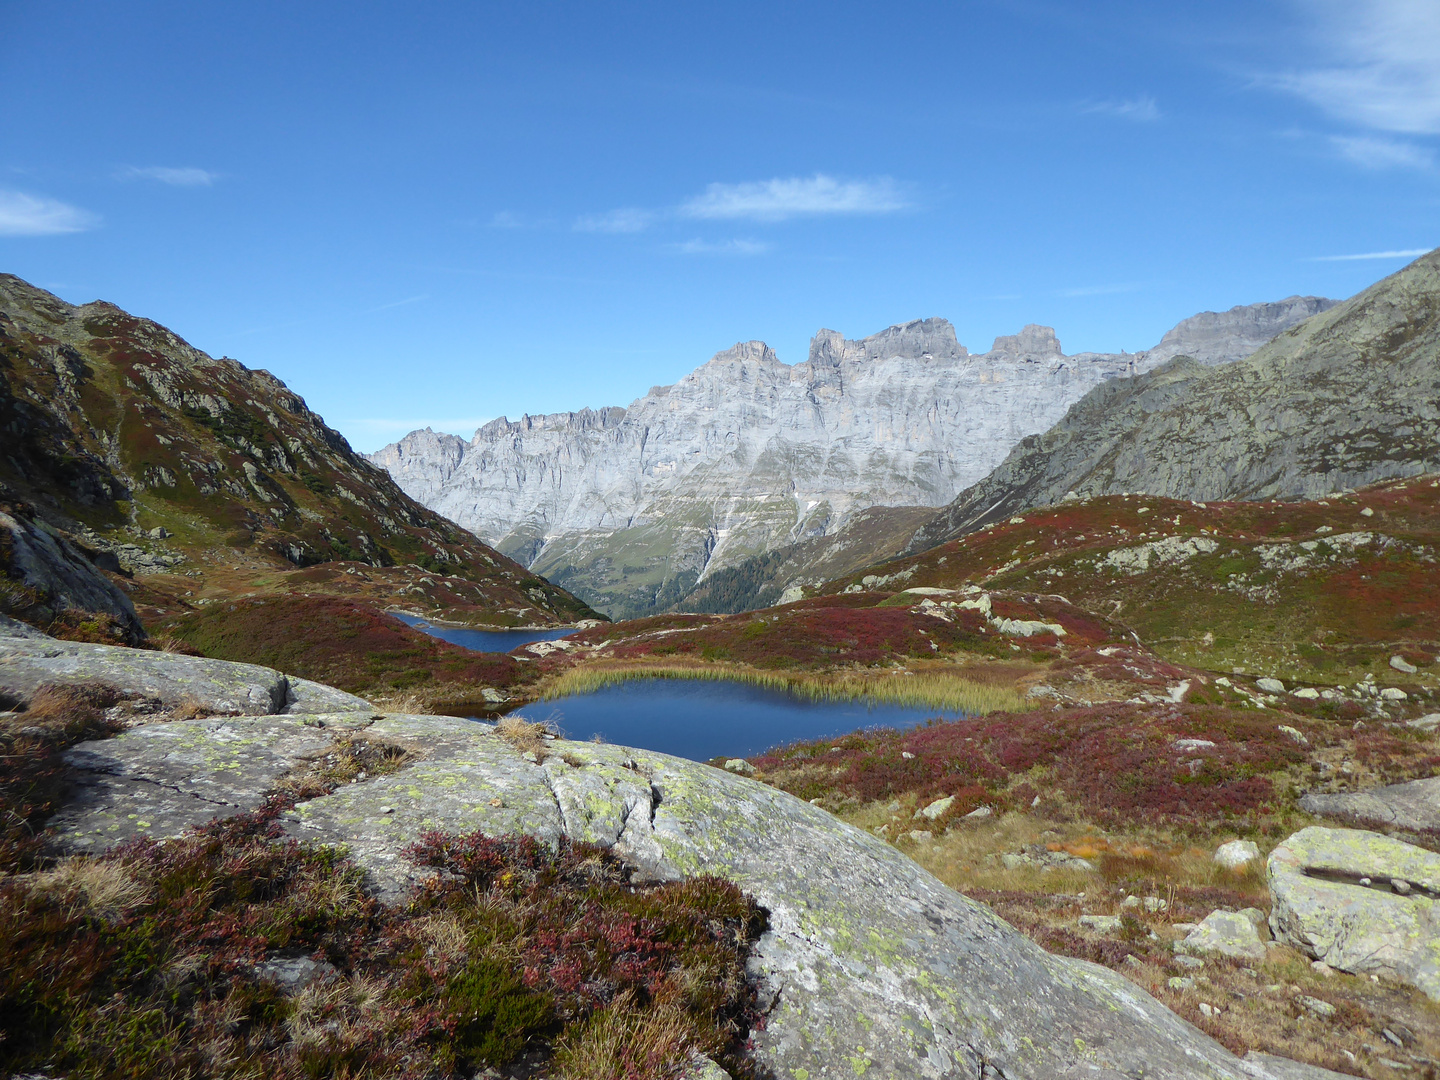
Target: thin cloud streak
780	199
1141	110
1370	152
186	177
35	215
1409	253
723	247
627	220
1101	290
401	303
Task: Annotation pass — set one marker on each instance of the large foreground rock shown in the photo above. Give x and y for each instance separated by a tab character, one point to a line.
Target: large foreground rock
870	966
29	660
1361	902
1414	805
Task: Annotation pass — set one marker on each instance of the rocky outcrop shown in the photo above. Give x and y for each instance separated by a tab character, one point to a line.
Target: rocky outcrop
1234	934
1344	399
1414	805
1361	902
1218	337
870	965
30	660
635	508
60	573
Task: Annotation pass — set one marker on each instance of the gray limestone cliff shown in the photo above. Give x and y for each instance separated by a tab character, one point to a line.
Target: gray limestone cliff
1348	397
633	508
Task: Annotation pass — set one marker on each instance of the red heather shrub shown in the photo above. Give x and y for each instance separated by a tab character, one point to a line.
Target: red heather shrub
1119	762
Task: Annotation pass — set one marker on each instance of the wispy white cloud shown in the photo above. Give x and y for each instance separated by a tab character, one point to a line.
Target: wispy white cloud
627	220
1142	110
1378	152
1382	69
35	215
402	303
779	199
505	219
1408	253
1102	290
187	177
722	247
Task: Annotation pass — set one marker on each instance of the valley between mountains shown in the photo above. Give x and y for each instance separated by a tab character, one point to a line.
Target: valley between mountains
1186	603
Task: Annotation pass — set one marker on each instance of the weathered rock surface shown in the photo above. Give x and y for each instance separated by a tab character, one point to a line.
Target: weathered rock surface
1219	337
1237	854
1359	901
57	568
1414	805
30	660
1270	1067
1344	399
1225	933
632	508
870	965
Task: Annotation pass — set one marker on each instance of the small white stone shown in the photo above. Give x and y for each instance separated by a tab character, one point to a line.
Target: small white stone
1399	663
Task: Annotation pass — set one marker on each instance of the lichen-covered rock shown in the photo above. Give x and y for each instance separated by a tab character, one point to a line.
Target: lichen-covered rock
161	780
30	661
1359	901
1237	854
1225	933
1414	805
870	965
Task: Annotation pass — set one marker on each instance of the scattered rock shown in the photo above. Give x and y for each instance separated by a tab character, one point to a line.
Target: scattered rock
1237	854
1427	723
1322	1009
1180	982
740	765
1270	686
293	974
1308	693
1225	933
1295	734
936	808
980	813
1322	908
1394	693
1399	663
1192	963
1414	805
1101	924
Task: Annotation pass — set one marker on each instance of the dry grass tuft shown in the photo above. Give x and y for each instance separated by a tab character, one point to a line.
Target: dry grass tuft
623	1041
528	737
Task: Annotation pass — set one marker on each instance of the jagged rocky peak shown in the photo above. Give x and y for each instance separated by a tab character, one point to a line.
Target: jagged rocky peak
1218	337
914	340
1031	343
586	419
744	352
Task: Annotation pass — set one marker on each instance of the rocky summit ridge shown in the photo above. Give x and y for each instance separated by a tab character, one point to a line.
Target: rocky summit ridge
1344	399
632	508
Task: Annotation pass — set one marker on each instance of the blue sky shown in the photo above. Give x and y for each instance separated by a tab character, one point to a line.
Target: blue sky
437	214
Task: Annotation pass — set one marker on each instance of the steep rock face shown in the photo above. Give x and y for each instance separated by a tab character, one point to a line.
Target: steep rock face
631	508
1349	397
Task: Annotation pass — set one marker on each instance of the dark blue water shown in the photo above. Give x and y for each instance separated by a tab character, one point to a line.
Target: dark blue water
483	640
702	720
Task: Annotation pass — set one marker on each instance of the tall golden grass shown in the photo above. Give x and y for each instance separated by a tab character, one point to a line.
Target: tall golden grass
922	690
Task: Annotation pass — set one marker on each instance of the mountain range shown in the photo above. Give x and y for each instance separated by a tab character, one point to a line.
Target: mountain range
658	505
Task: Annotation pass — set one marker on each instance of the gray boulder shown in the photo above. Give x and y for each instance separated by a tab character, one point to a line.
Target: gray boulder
1359	901
1414	805
1225	933
870	964
28	661
1270	1067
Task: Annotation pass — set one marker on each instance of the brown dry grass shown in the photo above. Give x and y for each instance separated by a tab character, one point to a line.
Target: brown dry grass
623	1041
528	737
1254	1005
